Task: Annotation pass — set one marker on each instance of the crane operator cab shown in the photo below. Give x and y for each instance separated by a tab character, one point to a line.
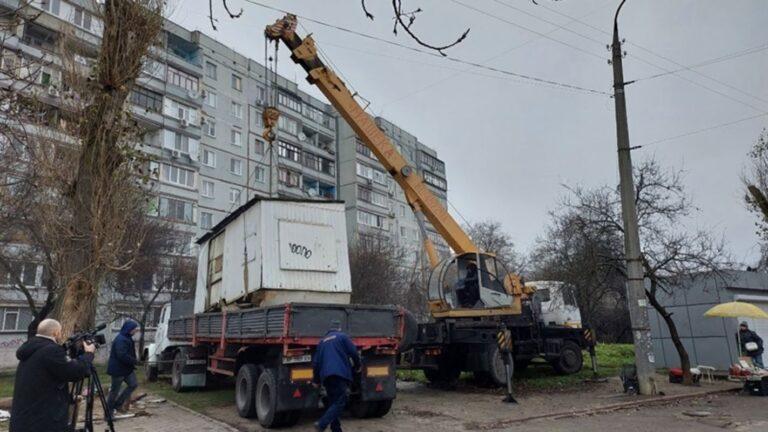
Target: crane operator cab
473	284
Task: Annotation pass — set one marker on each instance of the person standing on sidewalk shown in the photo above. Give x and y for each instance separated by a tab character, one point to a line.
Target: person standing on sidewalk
122	366
335	356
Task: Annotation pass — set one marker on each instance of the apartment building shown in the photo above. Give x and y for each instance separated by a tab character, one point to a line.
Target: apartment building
376	205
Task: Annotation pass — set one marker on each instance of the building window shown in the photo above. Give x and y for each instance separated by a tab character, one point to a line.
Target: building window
289	125
209	158
372	220
208	189
237	83
258	146
313	113
402	210
289	177
403	232
289	151
182	79
435	181
10	319
52	6
176	210
371	173
237	110
432	163
236	137
82	18
209	127
180	143
363	150
210	70
234	196
289	102
147	99
206	220
259	174
236	166
319	163
255	118
372	197
210	98
178	176
180	111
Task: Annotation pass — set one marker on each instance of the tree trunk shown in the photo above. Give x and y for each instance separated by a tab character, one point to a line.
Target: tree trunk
685	362
41	314
142	329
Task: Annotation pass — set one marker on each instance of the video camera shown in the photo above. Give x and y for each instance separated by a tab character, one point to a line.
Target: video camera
74	344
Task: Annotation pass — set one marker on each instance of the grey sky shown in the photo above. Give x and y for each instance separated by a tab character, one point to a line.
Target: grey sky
510	144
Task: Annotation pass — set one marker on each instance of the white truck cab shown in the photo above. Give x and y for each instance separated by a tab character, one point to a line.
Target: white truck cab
158	355
557	307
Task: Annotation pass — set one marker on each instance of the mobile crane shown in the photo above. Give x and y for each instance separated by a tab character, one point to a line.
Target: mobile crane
471	294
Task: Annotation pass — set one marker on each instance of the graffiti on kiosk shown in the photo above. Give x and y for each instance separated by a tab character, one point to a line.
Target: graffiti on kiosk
13	343
300	250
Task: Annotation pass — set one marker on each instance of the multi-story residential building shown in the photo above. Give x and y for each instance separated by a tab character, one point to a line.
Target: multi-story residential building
376	205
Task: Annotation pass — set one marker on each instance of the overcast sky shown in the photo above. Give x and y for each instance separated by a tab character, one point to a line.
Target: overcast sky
510	144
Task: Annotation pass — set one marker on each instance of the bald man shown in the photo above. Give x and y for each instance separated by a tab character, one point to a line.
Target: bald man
40	395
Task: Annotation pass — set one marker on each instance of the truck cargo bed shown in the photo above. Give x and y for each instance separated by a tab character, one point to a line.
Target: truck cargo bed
293	322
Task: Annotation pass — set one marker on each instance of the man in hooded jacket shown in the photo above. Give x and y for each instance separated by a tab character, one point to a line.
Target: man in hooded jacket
122	365
41	393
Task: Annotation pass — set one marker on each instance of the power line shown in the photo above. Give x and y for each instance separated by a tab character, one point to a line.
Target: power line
448	58
698	131
555	11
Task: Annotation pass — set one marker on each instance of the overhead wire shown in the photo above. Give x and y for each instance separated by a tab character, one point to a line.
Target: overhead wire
706	129
437	55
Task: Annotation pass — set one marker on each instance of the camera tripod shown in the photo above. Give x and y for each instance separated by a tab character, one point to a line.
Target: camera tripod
93	385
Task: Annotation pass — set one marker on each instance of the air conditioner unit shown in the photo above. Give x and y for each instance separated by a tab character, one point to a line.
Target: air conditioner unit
183	122
391	193
259	102
175	154
302	136
53	91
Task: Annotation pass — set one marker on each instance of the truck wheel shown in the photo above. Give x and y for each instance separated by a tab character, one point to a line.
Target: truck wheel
497	372
245	390
150	372
266	401
178	365
570	360
369	409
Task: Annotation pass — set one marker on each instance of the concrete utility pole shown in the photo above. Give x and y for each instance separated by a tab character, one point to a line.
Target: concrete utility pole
638	304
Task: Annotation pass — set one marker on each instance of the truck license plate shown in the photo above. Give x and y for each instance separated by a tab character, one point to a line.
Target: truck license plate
195	362
298	359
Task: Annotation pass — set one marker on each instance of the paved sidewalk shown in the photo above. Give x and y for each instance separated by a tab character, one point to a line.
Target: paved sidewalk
169	417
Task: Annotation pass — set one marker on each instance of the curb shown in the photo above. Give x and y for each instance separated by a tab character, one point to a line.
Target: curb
595	410
219	423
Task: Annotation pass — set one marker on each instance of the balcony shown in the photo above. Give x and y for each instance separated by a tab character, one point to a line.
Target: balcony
185	50
318	189
40	37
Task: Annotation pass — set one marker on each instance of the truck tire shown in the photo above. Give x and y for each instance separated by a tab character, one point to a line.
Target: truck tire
370	409
570	360
150	372
266	402
496	371
245	390
178	364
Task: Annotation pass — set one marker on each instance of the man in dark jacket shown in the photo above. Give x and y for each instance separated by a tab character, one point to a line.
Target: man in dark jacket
40	393
746	336
122	365
335	353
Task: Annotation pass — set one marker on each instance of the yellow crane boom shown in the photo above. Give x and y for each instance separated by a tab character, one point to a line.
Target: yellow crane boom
417	193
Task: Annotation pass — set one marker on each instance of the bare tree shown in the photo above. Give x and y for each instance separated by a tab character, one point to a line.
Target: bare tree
489	236
160	269
755	181
671	255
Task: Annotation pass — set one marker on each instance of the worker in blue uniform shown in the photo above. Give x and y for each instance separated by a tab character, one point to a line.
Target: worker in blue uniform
333	365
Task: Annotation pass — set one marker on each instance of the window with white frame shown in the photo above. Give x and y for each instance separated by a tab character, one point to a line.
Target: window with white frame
258	146
371	173
289	177
210	70
237	110
289	102
52	6
206	220
82	18
372	220
236	137
289	125
210	98
435	180
182	79
261	95
177	175
209	127
234	196
178	142
255	117
10	319
403	232
259	174
236	166
289	151
237	82
179	111
373	197
209	158
208	189
176	209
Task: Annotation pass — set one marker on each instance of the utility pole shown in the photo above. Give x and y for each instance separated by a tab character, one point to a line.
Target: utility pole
638	304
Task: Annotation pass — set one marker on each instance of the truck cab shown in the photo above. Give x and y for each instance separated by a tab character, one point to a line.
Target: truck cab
556	306
158	355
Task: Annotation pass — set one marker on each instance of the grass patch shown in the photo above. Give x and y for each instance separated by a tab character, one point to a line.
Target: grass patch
197	400
6	383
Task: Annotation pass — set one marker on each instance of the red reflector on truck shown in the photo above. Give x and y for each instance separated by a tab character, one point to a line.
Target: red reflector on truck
297	394
379	387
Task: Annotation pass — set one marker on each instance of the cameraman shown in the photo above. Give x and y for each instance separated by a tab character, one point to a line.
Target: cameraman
40	395
122	365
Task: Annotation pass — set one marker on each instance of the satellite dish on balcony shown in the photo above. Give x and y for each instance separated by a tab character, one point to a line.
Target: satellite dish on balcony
302	136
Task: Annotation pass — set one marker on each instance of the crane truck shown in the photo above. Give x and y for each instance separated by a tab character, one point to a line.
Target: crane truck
471	295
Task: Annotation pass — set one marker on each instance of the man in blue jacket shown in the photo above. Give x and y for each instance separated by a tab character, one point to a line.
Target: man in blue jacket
122	365
332	367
